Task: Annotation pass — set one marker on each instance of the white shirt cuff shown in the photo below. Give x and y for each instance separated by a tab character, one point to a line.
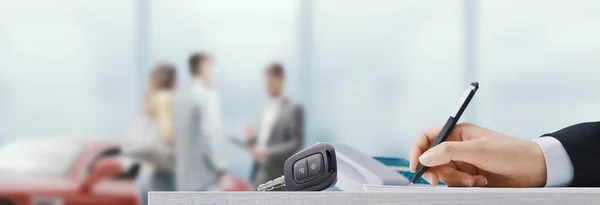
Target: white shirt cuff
558	164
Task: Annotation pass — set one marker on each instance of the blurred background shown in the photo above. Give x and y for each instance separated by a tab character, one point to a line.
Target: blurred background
370	74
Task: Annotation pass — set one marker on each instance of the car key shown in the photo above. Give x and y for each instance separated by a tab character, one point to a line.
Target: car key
312	169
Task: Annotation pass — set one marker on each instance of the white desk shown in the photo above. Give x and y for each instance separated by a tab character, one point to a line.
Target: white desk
429	196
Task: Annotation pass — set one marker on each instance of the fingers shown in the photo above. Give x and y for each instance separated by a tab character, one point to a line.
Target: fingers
421	144
463	146
466	167
453	177
415	152
423	141
461	132
480	181
431	176
471	152
456	178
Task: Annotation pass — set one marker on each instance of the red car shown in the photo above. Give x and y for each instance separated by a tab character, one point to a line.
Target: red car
56	171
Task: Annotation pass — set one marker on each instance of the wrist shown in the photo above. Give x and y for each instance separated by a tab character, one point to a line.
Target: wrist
538	165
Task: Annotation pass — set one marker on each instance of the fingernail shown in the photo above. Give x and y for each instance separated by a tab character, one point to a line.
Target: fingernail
426	157
481	181
466	182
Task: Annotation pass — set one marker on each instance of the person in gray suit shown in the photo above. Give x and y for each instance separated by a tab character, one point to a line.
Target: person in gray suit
280	132
197	128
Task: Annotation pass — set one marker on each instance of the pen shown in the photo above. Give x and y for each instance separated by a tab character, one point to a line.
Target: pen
458	111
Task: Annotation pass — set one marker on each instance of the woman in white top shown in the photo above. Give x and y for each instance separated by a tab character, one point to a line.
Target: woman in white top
156	124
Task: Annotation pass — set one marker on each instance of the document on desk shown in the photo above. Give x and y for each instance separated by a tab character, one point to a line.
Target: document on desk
422	188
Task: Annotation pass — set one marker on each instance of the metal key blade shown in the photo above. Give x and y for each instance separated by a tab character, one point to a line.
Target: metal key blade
273	184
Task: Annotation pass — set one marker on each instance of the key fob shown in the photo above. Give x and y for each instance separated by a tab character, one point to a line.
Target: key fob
312	169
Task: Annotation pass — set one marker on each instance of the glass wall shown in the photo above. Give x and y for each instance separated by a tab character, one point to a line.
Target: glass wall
539	62
383	71
66	68
370	74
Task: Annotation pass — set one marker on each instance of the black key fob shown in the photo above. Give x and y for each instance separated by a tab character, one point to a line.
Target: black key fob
312	169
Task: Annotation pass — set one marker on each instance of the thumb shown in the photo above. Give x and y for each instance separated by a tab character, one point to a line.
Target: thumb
471	152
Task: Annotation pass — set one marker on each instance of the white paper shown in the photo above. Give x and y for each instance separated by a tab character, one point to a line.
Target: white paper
423	188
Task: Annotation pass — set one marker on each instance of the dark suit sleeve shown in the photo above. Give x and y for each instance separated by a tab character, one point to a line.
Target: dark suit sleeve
295	143
582	143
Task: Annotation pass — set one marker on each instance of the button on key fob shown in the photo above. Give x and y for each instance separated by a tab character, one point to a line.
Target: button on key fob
312	169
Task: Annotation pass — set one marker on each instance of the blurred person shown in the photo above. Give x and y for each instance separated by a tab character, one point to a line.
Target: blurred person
280	133
474	156
153	129
199	152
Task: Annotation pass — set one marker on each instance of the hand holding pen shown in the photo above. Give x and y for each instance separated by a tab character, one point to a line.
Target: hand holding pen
467	155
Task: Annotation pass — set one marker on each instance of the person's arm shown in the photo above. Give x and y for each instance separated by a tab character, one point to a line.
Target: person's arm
483	157
218	146
251	135
582	144
211	132
295	142
183	113
475	156
250	131
163	116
